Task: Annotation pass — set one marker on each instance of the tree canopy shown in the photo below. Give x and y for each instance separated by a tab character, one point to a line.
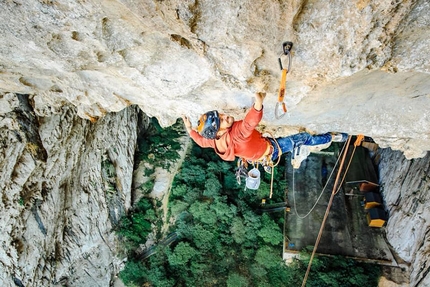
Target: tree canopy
225	240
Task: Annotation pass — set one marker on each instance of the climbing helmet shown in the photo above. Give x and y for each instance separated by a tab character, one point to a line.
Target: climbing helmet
208	124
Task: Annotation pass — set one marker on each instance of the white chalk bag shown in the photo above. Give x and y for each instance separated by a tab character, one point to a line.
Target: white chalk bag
253	179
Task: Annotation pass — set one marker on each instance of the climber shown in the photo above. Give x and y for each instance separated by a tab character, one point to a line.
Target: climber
230	138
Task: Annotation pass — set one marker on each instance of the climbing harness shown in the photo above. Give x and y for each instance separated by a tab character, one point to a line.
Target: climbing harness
252	177
286	53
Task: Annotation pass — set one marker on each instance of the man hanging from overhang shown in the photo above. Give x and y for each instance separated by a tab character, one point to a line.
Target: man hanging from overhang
231	139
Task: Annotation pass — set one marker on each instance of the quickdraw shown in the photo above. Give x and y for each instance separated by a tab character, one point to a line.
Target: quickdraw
241	170
286	51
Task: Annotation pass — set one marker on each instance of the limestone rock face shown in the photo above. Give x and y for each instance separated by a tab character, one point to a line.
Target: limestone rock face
406	190
66	149
358	66
64	182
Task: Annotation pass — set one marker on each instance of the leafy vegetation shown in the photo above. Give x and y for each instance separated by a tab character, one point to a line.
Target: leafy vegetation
158	146
338	271
225	241
137	225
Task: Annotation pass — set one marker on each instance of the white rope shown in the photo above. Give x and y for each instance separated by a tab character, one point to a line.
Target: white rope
322	191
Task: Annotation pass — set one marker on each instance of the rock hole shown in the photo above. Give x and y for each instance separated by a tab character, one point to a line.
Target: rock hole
181	40
76	36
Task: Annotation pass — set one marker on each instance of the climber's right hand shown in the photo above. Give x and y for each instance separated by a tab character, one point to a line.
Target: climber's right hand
259	98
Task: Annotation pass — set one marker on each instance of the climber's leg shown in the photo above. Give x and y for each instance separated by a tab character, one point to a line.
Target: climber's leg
317	139
287	144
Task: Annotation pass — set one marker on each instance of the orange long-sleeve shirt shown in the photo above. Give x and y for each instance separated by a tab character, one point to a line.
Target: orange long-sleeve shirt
242	139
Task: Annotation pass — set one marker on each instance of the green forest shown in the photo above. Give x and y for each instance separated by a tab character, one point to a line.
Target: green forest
220	236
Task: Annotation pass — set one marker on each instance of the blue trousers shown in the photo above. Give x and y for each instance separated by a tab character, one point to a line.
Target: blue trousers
287	144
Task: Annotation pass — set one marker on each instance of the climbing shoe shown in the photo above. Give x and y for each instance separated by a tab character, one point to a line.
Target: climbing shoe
339	137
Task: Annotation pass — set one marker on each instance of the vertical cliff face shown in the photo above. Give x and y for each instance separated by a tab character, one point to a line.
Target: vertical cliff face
406	190
67	141
65	182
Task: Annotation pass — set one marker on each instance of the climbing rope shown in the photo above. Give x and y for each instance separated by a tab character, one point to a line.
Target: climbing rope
357	142
274	165
322	191
337	185
284	231
327	212
286	51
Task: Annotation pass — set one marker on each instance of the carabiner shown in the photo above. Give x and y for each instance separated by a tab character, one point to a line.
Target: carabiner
286	51
277	108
